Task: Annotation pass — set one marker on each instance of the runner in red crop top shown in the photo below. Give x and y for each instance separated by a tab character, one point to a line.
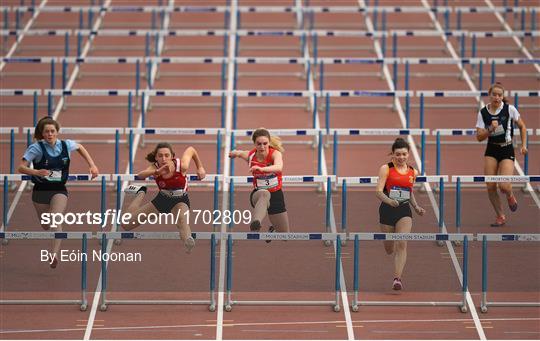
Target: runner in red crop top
395	190
175	181
170	176
271	181
265	163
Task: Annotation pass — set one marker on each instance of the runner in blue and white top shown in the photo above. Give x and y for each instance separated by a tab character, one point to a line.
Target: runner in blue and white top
495	123
50	157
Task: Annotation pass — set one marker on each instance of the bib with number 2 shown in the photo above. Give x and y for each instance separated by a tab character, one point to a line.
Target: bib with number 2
54	176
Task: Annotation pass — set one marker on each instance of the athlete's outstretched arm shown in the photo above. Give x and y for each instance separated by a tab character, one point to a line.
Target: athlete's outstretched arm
151	170
191	154
277	159
86	155
243	154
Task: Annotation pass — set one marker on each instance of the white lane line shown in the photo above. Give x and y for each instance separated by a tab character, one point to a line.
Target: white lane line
343	285
136	140
415	153
21	36
23	184
423	321
226	167
507	27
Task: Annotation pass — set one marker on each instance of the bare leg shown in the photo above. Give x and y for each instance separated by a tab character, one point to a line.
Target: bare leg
403	225
185	231
57	204
490	168
261	201
280	221
388	244
506	167
40	209
135	209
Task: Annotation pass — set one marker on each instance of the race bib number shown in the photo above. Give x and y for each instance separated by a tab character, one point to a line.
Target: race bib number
54	176
400	194
498	131
267	182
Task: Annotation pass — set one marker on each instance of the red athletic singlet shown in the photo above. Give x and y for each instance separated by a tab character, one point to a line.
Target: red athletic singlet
270	181
175	182
398	185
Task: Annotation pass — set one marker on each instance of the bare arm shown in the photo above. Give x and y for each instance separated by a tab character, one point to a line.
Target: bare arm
151	170
84	153
523	134
482	134
243	154
24	168
277	158
419	210
191	154
383	175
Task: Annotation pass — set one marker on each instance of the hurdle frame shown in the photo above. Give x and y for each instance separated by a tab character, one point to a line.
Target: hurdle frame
331	237
84	236
439	237
105	236
484	303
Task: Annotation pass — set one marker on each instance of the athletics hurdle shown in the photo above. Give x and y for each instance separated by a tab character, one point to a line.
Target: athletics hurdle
105	236
459	179
375	132
439	237
83	236
5	178
501	238
326	237
294	179
465	132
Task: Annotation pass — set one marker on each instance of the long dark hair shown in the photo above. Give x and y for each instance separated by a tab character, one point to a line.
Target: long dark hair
38	131
151	157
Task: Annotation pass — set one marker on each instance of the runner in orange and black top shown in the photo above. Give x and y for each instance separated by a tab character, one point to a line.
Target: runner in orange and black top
170	176
395	190
266	163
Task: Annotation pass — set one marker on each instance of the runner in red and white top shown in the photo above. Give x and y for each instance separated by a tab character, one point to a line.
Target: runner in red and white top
266	163
170	176
395	190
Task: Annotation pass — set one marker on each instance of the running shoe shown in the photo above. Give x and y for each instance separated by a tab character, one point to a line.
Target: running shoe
397	285
255	226
189	244
512	203
500	221
53	261
135	189
271	229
